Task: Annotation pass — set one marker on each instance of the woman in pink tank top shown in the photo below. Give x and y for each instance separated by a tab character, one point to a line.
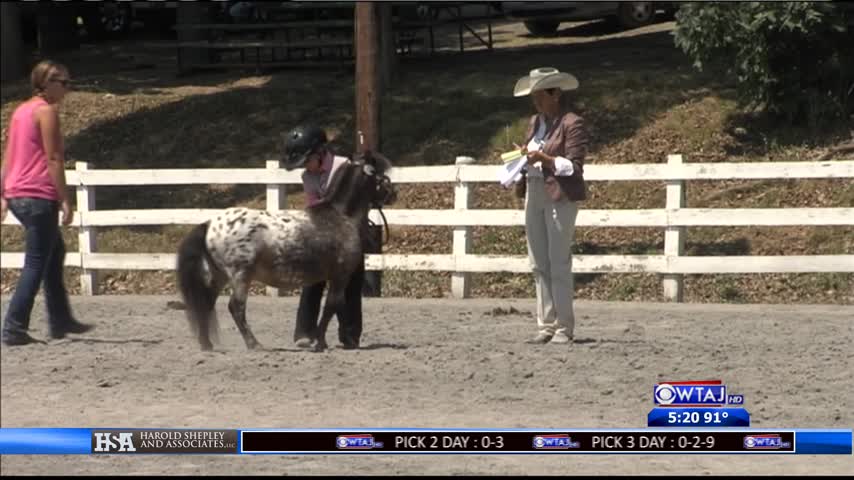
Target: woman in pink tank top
34	189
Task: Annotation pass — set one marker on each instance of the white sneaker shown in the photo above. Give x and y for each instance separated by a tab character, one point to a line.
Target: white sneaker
560	338
540	339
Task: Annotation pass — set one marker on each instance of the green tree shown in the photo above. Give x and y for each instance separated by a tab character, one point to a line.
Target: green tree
794	60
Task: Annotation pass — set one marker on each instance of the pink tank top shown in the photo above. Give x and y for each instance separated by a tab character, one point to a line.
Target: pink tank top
27	174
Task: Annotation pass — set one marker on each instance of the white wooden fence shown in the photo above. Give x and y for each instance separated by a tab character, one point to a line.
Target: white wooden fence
674	218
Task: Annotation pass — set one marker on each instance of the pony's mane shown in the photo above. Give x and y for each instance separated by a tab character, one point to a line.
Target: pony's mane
346	174
343	176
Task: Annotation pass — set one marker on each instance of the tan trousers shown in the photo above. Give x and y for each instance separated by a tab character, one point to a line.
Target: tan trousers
550	229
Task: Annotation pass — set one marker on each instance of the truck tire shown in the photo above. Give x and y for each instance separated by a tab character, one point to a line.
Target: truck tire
542	27
635	14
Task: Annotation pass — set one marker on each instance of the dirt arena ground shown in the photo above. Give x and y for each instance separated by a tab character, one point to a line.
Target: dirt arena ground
429	363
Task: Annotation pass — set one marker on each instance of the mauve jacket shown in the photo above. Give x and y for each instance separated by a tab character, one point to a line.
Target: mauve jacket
568	140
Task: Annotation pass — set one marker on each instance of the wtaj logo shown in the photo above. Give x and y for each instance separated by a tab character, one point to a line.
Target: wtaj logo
765	442
707	393
357	442
107	442
554	442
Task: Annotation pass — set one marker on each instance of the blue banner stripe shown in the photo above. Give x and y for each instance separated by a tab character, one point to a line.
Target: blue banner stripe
823	442
55	441
77	441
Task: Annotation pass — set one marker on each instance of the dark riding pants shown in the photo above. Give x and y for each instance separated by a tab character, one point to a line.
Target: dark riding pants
349	319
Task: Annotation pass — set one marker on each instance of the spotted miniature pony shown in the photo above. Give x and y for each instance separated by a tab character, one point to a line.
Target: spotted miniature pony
284	250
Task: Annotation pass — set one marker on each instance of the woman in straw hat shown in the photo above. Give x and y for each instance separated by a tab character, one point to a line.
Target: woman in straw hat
552	183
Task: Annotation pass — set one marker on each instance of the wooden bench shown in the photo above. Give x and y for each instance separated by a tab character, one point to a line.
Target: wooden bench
303	36
293	41
239	27
331	64
242	46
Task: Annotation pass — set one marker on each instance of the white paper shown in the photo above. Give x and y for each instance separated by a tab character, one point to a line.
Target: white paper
511	172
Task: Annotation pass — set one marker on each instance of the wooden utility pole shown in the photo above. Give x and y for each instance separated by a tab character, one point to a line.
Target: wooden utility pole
368	110
367	77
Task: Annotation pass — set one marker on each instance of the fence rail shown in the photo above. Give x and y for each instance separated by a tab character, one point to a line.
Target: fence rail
674	218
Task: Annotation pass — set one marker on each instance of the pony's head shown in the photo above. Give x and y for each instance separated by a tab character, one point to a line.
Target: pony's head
377	185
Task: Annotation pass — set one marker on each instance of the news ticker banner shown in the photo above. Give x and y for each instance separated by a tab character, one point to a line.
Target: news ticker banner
86	441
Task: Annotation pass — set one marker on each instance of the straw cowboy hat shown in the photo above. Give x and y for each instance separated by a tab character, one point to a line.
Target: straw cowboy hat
543	79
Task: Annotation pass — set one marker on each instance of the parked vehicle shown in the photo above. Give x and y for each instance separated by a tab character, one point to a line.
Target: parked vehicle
543	18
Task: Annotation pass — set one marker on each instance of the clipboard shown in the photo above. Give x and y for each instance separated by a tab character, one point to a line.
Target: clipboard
511	170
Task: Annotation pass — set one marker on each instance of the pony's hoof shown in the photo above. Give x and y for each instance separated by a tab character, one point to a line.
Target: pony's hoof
319	347
206	347
254	346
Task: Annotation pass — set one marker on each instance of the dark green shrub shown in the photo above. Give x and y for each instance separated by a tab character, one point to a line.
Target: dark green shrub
790	59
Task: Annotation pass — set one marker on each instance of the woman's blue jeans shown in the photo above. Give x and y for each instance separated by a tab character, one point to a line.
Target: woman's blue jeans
43	265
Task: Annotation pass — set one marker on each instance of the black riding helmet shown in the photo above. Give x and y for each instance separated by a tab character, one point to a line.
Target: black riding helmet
301	142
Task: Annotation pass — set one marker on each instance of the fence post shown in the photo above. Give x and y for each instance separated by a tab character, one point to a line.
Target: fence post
461	281
86	236
674	237
277	199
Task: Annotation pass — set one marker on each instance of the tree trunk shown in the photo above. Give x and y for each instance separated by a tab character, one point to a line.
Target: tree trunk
12	46
57	23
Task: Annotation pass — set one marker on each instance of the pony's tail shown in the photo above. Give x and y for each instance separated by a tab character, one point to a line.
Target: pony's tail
198	285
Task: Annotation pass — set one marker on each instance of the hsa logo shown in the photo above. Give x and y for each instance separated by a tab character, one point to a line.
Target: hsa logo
114	442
